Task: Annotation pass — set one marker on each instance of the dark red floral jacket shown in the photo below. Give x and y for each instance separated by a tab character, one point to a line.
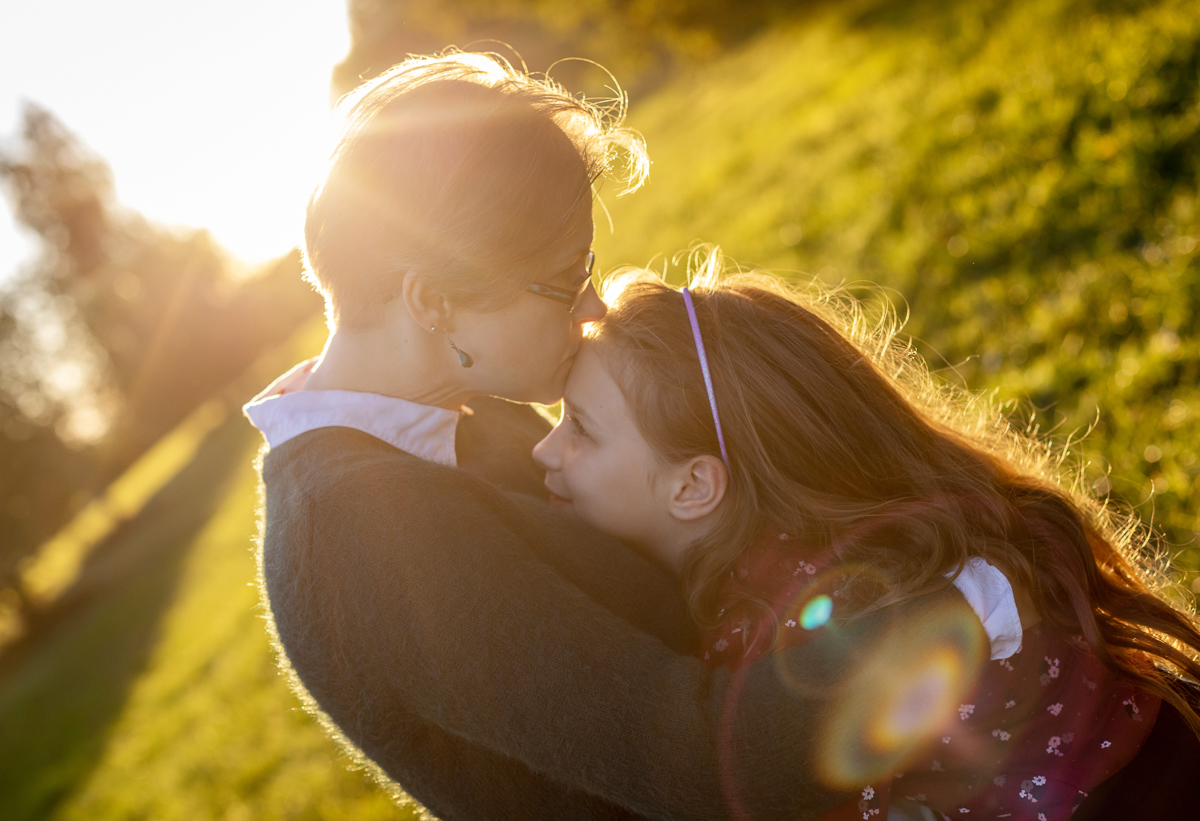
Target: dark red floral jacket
1040	729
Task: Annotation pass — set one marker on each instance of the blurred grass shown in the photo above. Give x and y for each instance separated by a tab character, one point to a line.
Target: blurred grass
158	696
1022	176
48	573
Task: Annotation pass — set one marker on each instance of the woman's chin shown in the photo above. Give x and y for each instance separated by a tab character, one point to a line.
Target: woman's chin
550	394
552	389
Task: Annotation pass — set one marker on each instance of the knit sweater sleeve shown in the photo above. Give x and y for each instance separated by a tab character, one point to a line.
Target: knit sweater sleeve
495	442
427	587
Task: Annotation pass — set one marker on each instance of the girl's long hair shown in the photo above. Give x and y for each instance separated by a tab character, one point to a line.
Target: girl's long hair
838	435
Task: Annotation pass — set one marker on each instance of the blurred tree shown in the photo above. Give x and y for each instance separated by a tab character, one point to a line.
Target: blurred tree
637	39
112	335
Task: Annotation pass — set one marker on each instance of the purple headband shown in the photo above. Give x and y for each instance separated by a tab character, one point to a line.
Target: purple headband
712	397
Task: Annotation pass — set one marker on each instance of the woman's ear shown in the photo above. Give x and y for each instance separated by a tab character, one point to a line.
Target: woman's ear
424	303
697	487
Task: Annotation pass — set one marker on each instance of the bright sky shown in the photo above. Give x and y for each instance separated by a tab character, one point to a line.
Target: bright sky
211	114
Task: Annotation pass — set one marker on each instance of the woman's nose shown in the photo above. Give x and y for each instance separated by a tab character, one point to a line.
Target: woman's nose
545	452
590	307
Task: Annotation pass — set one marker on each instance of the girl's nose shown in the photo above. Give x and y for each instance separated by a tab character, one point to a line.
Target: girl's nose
590	307
545	452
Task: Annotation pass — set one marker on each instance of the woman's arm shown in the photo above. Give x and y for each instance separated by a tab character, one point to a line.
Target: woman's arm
495	442
428	590
451	777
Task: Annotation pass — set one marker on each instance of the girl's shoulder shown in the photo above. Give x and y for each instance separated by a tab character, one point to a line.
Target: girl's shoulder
776	564
770	589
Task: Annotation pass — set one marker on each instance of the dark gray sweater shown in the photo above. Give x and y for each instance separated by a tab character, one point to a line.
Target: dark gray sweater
500	660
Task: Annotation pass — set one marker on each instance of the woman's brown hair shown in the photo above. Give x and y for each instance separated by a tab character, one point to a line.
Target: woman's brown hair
838	435
460	167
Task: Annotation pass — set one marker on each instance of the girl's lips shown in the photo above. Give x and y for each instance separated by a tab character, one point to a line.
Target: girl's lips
558	501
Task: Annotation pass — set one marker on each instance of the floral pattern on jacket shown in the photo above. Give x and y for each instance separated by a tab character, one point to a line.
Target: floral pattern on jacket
1039	730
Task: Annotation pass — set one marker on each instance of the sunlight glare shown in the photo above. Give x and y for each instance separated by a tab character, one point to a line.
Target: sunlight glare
212	115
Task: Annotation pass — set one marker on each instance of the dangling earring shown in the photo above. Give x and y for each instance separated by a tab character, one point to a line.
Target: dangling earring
464	358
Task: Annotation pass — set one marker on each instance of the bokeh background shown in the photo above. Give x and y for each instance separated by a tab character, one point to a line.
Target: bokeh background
1020	177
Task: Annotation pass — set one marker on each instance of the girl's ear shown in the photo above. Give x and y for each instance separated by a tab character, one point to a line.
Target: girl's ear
424	303
697	487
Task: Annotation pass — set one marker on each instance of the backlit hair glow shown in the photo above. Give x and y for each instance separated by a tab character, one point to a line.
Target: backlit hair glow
838	435
462	169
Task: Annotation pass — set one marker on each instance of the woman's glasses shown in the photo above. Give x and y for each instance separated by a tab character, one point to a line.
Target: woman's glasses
564	295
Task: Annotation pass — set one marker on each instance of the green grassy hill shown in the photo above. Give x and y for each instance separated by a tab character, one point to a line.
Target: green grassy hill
1023	174
156	696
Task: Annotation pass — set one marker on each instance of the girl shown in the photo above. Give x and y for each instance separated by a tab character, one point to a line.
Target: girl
798	470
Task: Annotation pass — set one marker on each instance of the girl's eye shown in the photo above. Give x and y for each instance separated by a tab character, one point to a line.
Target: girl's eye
576	425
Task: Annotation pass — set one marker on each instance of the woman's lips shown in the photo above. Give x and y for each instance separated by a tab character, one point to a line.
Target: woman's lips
558	501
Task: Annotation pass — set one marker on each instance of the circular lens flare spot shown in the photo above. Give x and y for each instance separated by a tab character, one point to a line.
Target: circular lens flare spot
906	691
921	697
841	583
816	612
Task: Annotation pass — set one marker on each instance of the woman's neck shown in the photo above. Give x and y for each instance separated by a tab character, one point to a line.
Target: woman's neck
389	361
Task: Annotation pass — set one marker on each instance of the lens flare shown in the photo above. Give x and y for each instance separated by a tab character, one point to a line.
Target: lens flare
812	611
911	686
920	699
816	612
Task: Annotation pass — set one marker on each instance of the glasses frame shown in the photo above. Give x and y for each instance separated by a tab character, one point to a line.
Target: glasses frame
563	295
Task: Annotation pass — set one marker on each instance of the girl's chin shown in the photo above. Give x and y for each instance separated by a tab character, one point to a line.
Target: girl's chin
558	501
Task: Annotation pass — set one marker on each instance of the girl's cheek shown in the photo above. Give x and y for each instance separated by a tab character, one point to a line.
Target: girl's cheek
569	458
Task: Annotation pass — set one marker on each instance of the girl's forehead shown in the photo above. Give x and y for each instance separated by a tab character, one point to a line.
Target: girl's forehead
592	391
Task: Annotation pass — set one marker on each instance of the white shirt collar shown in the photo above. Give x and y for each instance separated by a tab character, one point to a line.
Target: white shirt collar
284	410
990	595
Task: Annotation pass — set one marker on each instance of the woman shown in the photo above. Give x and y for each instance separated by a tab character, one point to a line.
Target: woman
495	656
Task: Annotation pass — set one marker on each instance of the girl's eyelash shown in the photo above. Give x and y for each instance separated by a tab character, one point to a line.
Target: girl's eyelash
576	423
